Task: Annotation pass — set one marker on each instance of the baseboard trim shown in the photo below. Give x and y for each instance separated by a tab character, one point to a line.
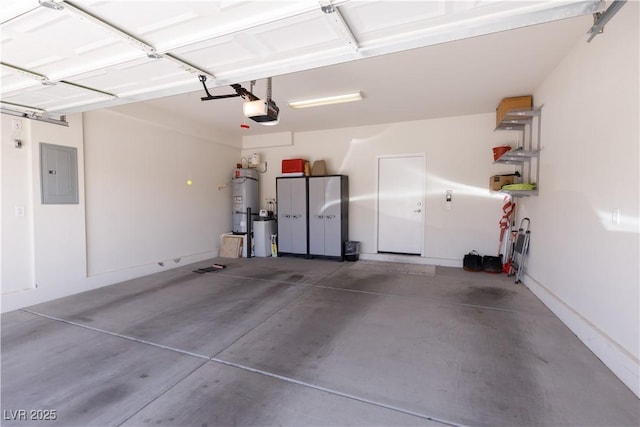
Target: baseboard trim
621	362
50	291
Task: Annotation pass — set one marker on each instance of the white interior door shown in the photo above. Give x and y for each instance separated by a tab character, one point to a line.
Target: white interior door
401	204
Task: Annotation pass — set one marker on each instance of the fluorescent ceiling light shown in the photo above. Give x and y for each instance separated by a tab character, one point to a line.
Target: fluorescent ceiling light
328	100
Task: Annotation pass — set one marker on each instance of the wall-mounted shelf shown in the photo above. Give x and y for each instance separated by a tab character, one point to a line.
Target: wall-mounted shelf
517	157
520	193
527	157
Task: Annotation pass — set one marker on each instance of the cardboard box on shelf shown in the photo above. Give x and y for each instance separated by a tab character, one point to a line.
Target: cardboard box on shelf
513	103
497	181
319	168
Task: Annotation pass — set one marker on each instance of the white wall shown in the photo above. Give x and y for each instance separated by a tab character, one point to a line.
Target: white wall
133	166
459	158
59	230
140	209
16	260
43	257
581	264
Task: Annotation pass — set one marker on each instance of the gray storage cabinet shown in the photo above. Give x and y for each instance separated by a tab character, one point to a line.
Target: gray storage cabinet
328	215
291	194
313	215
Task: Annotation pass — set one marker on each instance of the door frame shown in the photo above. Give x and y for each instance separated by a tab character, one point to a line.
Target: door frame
421	155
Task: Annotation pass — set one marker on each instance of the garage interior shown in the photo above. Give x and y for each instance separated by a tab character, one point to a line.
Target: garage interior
108	319
278	341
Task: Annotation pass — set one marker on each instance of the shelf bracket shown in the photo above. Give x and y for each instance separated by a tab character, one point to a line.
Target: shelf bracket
601	18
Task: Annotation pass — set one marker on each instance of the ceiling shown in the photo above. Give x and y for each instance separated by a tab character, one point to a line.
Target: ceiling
410	59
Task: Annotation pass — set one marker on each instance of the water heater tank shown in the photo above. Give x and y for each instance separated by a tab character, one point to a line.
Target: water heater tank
244	193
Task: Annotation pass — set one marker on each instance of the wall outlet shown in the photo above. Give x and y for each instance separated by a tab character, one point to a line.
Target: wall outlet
19	211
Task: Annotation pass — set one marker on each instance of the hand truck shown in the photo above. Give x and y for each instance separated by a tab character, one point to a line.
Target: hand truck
520	250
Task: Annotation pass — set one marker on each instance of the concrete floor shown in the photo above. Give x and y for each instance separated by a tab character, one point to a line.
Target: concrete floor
287	341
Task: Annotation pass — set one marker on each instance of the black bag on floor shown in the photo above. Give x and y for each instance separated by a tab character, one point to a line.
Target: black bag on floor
472	261
492	264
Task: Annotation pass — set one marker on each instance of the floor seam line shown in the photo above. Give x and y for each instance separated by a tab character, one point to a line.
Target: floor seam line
335	392
282	281
115	334
303	285
233	276
260	324
168	389
507	310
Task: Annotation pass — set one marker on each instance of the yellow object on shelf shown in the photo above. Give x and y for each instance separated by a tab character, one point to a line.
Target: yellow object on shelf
520	187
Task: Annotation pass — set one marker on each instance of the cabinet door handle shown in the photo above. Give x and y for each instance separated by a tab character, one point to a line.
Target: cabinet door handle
287	216
297	216
330	216
319	216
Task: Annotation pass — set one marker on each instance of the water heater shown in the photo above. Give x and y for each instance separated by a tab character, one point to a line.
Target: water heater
244	190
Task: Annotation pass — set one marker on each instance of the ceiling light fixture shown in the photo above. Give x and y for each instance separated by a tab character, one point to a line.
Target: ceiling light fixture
328	100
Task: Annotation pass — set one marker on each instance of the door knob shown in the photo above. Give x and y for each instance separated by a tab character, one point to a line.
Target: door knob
418	210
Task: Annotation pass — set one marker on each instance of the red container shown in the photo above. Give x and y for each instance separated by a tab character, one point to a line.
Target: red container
292	165
499	151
